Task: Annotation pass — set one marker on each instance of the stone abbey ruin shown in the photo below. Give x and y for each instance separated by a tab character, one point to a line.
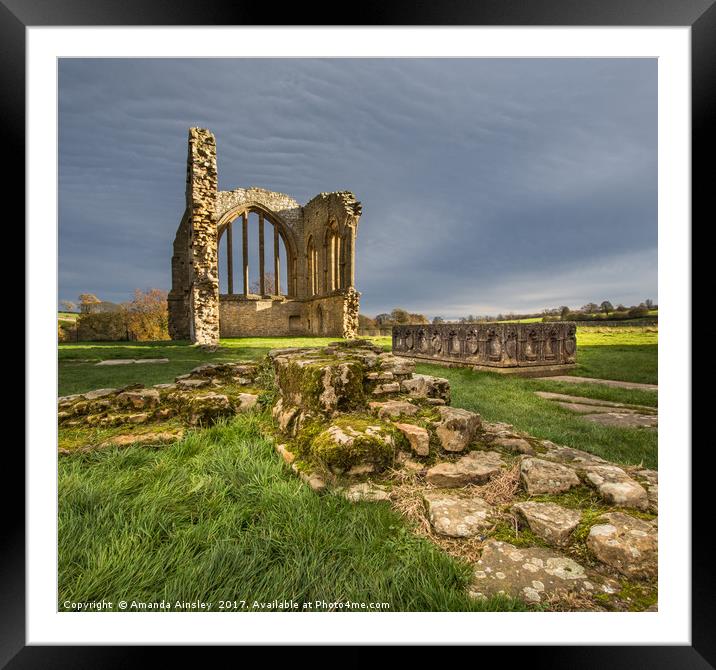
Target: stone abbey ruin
307	287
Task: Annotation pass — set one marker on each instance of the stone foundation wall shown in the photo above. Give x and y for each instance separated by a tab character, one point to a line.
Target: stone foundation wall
331	316
246	317
502	345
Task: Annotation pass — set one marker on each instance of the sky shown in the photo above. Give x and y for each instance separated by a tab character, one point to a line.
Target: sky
488	185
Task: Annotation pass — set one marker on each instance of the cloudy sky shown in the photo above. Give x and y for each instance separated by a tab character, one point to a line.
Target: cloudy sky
487	185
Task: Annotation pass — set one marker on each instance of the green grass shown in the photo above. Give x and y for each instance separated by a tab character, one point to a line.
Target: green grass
218	516
624	354
529	319
511	399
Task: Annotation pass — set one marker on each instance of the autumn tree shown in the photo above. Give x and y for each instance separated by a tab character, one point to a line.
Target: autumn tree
400	316
147	315
365	322
87	301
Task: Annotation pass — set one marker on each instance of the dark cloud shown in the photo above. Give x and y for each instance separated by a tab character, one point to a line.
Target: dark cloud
487	185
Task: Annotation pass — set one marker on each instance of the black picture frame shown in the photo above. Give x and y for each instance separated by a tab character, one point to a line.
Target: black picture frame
700	15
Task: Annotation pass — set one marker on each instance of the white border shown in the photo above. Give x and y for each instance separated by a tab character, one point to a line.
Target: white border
671	625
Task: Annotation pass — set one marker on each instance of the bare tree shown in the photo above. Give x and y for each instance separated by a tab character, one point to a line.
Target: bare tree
269	285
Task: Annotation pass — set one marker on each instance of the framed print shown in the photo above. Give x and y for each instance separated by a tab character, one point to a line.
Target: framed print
360	323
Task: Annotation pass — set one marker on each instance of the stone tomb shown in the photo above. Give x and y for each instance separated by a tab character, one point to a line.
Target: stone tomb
534	349
305	288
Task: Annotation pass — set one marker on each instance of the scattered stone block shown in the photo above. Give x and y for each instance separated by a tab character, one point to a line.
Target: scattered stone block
515	445
477	467
312	479
455	516
141	417
392	409
247	401
571	379
570	456
457	428
358	470
314	382
366	491
616	487
207	408
140	399
354	447
623	419
553	523
533	574
540	476
193	383
627	544
116	361
426	386
69	399
285	454
384	389
650	481
418	437
98	393
285	416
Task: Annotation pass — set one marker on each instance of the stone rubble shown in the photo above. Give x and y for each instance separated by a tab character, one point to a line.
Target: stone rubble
457	516
418	437
626	544
551	522
616	487
457	428
541	476
533	574
477	467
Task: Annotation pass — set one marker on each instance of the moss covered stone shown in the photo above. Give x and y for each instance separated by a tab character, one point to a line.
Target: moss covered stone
326	384
351	444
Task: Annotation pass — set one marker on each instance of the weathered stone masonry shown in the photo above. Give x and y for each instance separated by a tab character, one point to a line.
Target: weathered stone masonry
318	240
524	348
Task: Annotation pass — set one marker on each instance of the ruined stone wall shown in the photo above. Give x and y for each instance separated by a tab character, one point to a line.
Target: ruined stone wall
178	298
338	212
202	182
247	317
492	346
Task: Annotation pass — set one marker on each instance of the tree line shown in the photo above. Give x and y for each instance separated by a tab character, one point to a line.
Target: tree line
589	312
144	317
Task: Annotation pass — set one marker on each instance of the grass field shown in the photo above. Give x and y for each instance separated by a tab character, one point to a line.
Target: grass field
625	354
512	400
217	516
